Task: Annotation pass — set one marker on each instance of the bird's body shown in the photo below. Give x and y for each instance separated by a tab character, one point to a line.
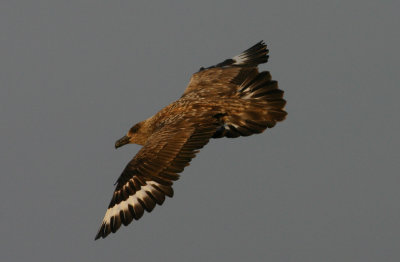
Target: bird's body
229	99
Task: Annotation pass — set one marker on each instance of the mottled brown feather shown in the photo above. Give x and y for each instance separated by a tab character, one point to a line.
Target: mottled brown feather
150	164
230	99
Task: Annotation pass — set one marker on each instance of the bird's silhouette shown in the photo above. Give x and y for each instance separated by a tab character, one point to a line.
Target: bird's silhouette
229	99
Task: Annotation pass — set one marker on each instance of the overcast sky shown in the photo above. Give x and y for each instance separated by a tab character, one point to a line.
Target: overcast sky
321	186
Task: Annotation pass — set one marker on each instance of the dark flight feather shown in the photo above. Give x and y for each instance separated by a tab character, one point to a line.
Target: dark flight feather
229	99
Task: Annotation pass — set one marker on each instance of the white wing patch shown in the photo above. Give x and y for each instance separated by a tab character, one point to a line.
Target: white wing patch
132	200
240	59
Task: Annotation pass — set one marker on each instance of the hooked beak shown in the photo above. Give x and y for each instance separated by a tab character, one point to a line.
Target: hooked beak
122	141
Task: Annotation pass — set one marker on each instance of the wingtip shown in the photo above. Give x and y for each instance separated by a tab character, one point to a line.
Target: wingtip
253	56
98	235
101	233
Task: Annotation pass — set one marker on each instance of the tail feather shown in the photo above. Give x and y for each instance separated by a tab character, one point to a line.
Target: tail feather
261	105
260	87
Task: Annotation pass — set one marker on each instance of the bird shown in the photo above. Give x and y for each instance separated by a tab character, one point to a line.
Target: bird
229	99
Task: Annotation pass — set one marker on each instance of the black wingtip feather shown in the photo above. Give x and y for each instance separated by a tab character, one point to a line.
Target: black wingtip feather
255	55
251	57
101	233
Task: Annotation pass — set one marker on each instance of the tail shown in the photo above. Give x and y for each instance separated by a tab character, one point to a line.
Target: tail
259	105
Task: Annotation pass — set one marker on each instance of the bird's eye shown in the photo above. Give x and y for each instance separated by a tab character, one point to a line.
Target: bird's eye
134	129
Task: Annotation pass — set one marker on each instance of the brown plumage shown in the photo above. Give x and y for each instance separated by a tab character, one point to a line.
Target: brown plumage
229	99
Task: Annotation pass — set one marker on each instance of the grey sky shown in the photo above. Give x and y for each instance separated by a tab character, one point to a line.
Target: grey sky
321	186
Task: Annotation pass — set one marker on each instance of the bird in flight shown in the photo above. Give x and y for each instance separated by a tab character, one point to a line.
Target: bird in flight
229	99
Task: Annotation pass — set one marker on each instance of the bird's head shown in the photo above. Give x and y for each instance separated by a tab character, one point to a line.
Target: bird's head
134	136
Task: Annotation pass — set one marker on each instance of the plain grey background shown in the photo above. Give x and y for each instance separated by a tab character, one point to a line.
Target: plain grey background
321	186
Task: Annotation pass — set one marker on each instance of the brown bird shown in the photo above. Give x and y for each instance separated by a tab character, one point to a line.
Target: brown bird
230	99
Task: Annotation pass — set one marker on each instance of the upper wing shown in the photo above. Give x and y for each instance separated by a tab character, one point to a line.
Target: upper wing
148	177
224	79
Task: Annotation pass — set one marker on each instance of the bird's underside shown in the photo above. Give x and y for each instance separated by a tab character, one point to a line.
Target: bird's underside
229	99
